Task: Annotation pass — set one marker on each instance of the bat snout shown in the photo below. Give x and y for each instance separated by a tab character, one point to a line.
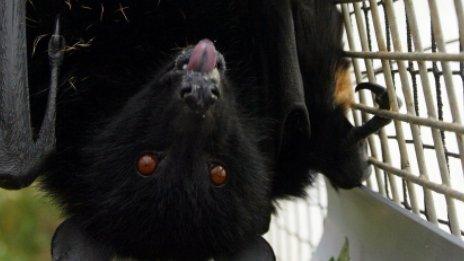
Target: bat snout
199	92
201	84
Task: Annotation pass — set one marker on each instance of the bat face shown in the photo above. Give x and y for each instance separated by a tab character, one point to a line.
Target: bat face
343	161
175	169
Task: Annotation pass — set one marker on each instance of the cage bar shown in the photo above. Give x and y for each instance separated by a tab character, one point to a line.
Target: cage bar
424	147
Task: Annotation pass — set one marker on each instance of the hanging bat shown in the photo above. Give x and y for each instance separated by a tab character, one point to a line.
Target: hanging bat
170	145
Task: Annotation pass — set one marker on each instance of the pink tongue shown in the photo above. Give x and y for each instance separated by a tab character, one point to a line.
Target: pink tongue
203	57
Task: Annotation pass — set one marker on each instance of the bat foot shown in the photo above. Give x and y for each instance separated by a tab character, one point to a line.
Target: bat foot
381	94
377	122
56	45
21	157
351	168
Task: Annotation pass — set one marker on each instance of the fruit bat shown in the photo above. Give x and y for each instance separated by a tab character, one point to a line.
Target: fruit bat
168	129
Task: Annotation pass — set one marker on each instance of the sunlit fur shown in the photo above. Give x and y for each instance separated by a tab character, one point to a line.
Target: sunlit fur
343	95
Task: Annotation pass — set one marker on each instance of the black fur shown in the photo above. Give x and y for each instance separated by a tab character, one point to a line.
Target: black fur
177	211
331	151
119	98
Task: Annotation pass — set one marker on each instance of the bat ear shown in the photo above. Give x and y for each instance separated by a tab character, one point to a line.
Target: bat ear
71	243
284	82
258	249
292	161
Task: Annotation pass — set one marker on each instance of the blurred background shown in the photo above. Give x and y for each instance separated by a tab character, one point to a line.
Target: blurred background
28	219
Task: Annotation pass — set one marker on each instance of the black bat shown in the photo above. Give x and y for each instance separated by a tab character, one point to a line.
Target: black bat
170	145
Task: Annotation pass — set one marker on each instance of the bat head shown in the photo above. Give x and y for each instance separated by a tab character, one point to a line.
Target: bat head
177	172
342	160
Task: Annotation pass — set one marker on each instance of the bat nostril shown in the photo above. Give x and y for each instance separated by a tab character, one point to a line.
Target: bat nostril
215	91
199	97
185	90
192	102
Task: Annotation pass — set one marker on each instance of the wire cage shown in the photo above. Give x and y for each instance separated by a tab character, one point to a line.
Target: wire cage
415	49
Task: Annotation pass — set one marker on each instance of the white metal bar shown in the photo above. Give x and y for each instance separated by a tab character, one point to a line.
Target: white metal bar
431	110
436	136
393	103
438	34
371	77
403	56
452	100
362	98
429	122
407	92
439	188
460	15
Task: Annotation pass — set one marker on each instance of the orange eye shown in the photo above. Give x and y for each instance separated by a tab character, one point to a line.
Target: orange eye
218	175
146	164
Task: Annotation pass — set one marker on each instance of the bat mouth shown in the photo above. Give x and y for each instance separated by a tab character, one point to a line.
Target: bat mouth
201	86
203	57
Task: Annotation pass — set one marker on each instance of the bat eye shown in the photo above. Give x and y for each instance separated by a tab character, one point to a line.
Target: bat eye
218	175
146	164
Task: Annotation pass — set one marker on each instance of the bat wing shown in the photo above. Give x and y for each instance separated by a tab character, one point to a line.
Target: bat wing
70	243
21	155
283	80
259	249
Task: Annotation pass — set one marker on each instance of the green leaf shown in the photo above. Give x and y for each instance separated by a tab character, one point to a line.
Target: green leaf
344	253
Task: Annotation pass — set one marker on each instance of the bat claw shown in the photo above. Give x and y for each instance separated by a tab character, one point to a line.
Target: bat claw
375	88
56	43
381	94
377	122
